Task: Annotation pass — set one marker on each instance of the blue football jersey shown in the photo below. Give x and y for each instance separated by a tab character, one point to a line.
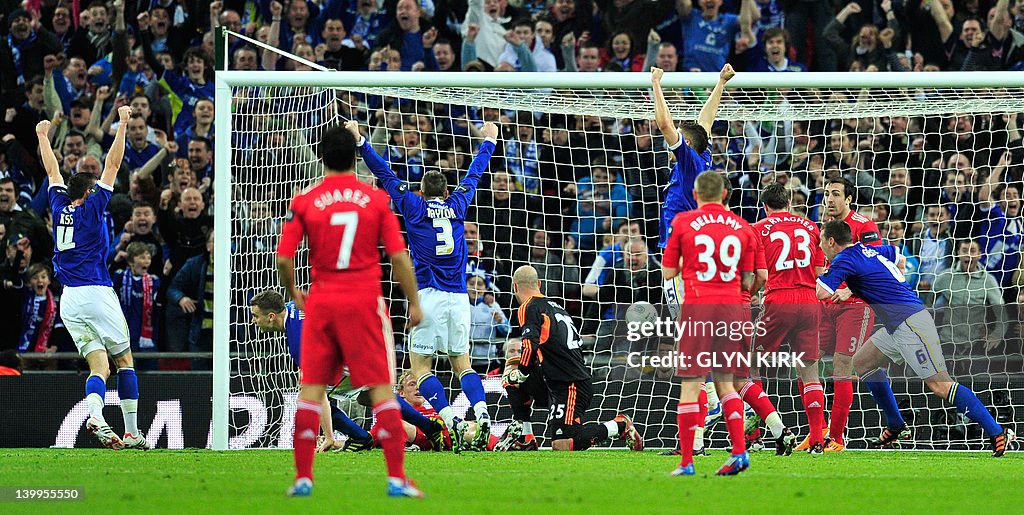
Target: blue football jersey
871	274
293	319
707	43
679	190
80	236
435	227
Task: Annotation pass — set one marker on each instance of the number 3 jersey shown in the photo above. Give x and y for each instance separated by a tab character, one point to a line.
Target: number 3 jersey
714	247
345	221
550	340
436	227
80	236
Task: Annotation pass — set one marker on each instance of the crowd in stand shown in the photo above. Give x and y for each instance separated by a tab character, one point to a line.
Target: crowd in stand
577	197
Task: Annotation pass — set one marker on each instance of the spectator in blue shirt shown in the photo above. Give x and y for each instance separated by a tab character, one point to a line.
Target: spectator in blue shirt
138	150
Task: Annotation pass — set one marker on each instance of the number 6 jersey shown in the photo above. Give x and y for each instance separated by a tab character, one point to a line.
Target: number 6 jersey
714	247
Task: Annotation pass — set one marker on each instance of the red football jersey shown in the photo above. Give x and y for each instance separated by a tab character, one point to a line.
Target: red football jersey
759	260
710	246
345	221
792	247
863	228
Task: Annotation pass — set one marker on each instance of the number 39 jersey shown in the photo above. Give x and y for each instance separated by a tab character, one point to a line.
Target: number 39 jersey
792	251
550	339
80	236
714	246
345	221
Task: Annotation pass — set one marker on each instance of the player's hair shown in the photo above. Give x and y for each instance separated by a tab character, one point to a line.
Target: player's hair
9	358
80	184
269	301
849	190
776	196
36	268
838	230
709	186
434	184
138	248
338	149
403	378
696	134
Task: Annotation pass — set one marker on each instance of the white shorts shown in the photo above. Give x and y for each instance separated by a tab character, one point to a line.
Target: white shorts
673	289
93	317
445	325
915	342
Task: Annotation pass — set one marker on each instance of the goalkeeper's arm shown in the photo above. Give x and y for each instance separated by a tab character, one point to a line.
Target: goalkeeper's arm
513	375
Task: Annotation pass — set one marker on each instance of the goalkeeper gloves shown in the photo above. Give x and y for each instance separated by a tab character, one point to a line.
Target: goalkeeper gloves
512	377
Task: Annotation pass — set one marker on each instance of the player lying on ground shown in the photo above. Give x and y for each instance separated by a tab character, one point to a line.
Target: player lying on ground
790	309
345	220
434	222
908	336
89	306
410	394
271	313
562	382
713	249
526	441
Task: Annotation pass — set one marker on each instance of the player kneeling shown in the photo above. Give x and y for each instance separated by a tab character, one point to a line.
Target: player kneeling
563	382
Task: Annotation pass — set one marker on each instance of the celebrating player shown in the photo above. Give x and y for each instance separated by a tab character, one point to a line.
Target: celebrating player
792	248
435	225
844	326
711	248
875	273
549	336
89	307
271	313
347	320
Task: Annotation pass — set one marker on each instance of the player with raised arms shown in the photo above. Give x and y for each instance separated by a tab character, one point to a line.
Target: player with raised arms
712	248
689	143
271	313
347	322
844	326
89	306
435	222
562	382
793	254
908	335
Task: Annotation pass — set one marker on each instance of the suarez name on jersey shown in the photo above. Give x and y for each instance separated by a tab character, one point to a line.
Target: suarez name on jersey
345	221
714	246
81	240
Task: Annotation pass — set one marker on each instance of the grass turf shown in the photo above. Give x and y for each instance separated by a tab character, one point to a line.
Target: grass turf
587	482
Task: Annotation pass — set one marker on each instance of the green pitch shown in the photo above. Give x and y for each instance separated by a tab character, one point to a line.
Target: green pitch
193	482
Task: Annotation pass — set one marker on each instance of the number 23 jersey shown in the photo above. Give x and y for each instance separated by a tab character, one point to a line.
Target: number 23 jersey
715	246
550	339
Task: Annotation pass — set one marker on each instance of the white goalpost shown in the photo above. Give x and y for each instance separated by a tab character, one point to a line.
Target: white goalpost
793	127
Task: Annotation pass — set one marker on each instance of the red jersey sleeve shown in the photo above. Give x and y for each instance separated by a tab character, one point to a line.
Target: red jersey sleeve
748	252
760	261
390	234
817	255
673	249
869	234
292	232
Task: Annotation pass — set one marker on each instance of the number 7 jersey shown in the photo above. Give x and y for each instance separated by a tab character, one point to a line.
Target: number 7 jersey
715	246
345	221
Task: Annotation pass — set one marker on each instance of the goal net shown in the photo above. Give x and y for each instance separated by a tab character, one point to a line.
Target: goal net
580	166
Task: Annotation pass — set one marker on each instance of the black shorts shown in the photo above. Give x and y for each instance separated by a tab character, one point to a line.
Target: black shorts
568	406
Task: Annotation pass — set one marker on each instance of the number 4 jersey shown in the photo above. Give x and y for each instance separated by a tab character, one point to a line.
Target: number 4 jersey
345	221
715	246
549	337
80	236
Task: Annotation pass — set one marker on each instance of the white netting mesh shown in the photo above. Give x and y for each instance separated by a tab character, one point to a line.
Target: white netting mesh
554	147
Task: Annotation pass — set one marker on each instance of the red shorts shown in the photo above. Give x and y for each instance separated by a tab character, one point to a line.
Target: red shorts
346	329
793	316
845	327
715	337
